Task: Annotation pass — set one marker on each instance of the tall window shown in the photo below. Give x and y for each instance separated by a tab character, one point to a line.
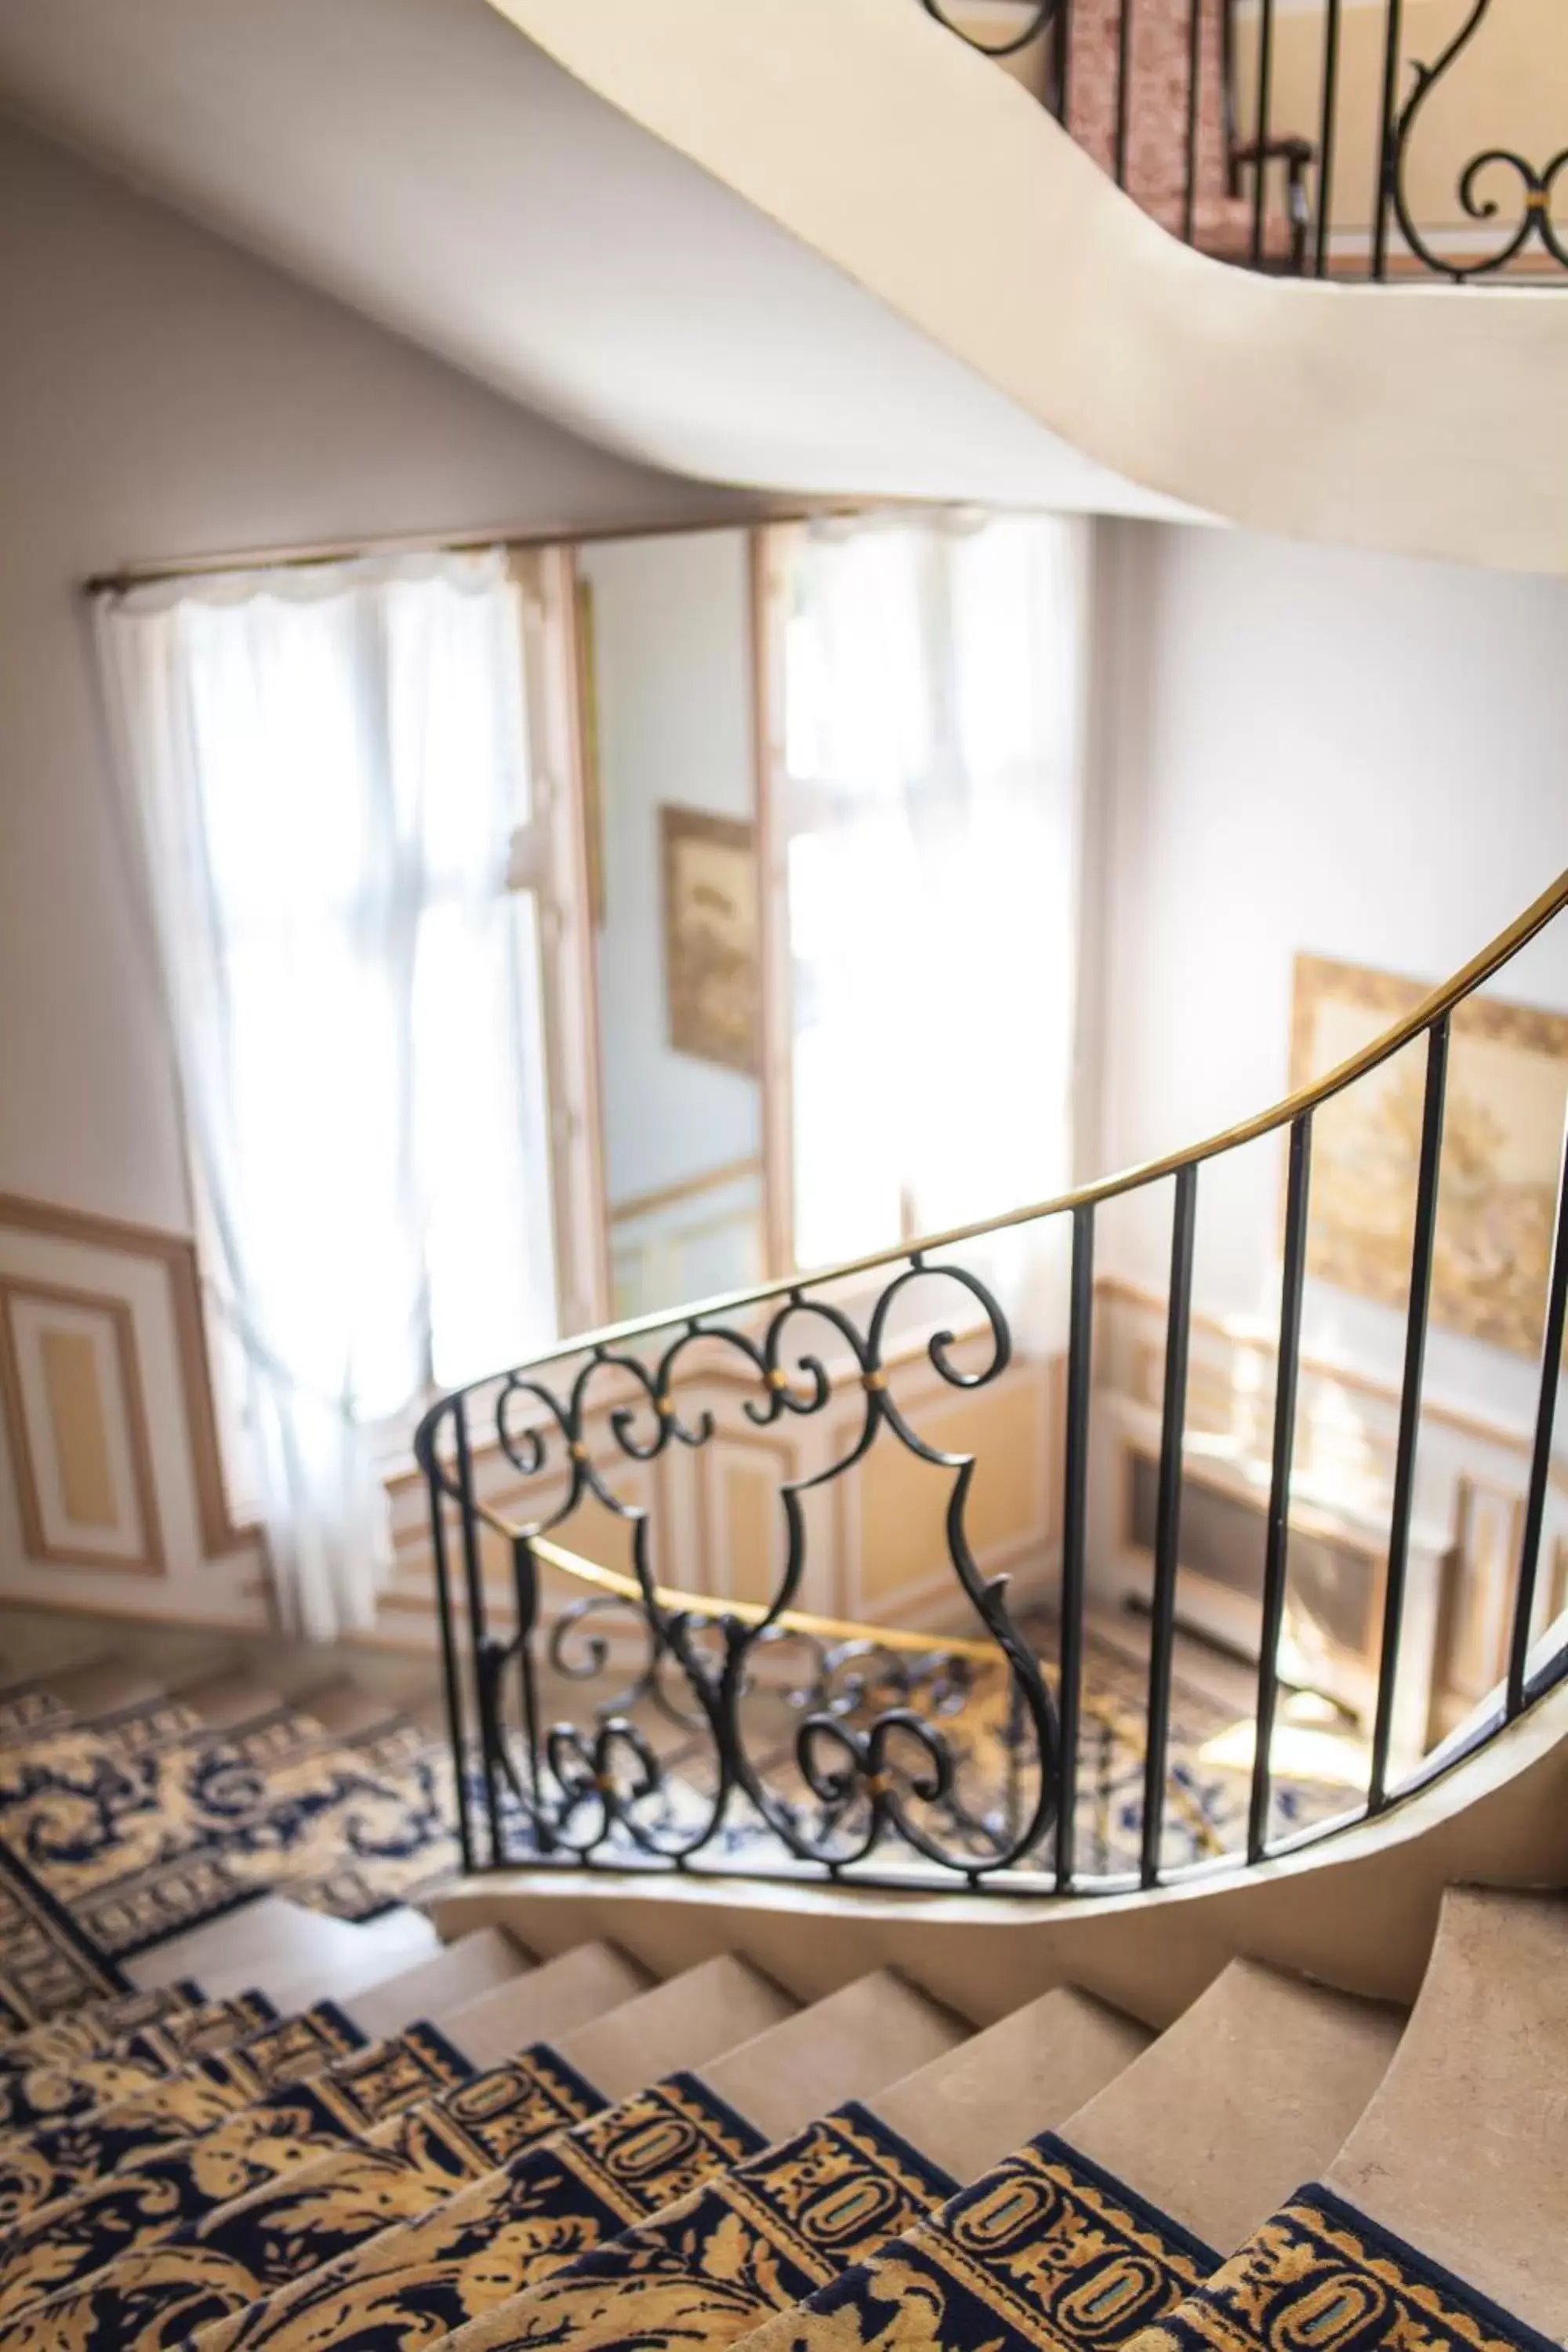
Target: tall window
328	765
932	691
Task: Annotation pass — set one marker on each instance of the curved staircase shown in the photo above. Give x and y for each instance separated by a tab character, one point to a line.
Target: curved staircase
480	2149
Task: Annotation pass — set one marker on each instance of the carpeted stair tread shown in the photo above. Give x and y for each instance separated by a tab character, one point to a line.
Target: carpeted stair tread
162	2185
759	2237
29	1710
663	2141
505	2232
1321	2274
98	2026
188	1820
1043	2249
51	2091
171	2185
218	2268
39	2168
556	2203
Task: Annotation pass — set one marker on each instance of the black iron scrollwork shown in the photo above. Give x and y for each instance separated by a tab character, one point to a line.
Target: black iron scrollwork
1537	183
861	1756
1039	19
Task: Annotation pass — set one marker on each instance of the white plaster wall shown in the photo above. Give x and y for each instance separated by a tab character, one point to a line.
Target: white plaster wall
163	396
672	652
1362	756
1426	419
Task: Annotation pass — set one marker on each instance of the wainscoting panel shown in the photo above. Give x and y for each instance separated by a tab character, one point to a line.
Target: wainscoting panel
112	1489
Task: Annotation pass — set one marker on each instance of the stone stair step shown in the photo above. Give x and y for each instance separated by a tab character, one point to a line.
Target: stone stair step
291	1954
1463	2149
478	1964
547	2003
687	2022
1250	2092
232	1696
974	2105
103	1686
849	2045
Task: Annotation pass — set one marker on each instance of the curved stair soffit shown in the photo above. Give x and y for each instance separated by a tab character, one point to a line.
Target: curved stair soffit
1425	419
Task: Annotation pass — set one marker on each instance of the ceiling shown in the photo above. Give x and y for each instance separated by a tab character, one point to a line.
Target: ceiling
423	162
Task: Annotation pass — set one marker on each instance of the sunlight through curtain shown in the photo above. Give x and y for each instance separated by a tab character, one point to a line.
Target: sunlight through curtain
327	763
932	689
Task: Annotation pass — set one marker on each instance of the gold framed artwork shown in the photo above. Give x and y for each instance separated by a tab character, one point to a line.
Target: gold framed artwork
711	945
1506	1102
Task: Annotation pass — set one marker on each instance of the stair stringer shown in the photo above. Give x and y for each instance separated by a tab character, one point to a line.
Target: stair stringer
1358	1911
1421	418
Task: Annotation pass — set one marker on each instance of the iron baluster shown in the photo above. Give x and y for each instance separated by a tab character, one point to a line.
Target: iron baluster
1328	125
485	1664
1416	1314
1194	75
525	1586
1393	32
1275	1561
1123	86
1168	1521
1262	126
426	1448
1556	1322
1061	60
1075	1535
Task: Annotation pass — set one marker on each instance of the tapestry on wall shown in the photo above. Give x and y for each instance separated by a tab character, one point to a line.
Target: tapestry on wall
1503	1150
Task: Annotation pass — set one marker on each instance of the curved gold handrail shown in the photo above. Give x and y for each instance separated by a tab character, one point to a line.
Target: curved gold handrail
749	1612
1441	1000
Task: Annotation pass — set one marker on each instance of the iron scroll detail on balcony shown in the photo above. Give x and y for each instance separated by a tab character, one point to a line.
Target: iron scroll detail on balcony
747	1735
871	1763
1537	183
1165	96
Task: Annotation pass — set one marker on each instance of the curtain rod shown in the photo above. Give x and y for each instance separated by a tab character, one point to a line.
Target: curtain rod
143	575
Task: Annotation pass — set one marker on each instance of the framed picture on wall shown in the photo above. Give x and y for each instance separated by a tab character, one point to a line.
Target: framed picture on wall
712	953
1503	1150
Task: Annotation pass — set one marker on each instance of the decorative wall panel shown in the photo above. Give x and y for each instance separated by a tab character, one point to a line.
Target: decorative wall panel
111	1482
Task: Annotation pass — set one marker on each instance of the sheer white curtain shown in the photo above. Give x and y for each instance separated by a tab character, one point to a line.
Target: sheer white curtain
932	686
327	764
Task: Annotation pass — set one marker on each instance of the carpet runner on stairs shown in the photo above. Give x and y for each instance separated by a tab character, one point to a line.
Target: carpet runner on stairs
505	2232
50	2091
218	2266
1044	2249
1321	2275
145	1822
762	2236
97	2027
701	2163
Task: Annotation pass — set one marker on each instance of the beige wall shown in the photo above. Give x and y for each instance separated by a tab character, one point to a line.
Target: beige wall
1425	422
162	395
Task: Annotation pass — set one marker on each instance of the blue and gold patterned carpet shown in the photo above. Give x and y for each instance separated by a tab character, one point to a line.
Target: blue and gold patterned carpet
119	1832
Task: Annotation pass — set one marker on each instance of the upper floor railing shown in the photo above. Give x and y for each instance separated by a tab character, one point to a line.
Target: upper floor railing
1407	137
998	1745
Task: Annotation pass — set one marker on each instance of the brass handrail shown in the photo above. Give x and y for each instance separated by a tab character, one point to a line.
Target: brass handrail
749	1612
1389	1041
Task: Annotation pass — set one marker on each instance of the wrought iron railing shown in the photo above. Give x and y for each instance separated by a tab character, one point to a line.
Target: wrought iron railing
758	1738
1182	101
